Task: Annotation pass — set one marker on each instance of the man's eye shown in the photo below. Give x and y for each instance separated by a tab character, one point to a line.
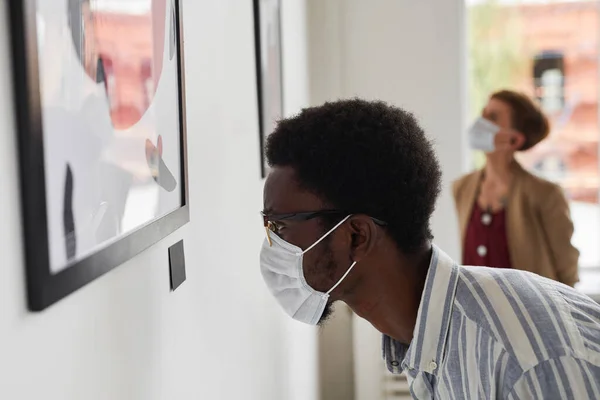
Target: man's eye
275	226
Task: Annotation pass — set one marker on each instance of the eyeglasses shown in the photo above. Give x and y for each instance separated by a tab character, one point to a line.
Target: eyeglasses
270	220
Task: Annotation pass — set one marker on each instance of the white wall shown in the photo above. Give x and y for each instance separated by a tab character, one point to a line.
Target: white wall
411	54
125	336
302	362
337	356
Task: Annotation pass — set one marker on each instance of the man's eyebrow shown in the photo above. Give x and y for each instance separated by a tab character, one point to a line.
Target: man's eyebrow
267	210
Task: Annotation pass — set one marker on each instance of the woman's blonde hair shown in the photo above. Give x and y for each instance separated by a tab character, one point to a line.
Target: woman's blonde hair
526	117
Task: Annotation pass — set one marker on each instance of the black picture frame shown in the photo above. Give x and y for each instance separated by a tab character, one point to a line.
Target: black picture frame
263	77
43	287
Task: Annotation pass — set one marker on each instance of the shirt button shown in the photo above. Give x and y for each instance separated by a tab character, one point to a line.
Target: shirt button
486	219
481	251
432	366
395	363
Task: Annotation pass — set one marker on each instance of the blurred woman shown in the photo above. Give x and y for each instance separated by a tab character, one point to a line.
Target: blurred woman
508	217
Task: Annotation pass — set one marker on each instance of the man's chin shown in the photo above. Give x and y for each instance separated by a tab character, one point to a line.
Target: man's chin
327	314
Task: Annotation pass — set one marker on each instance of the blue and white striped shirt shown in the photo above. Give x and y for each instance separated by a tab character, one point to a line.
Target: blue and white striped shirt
485	333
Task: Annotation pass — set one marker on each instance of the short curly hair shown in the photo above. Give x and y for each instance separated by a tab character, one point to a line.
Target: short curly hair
364	157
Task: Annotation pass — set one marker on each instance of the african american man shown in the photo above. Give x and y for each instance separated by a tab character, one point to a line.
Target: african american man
347	206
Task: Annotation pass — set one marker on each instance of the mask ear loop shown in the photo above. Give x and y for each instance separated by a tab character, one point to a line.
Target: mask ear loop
320	240
342	278
327	234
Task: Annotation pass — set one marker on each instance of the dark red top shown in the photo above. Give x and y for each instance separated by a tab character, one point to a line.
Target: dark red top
485	239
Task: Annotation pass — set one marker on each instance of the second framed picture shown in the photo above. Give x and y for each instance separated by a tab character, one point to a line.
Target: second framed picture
101	131
267	29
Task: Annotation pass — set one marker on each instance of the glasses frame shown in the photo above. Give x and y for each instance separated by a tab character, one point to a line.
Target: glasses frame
269	220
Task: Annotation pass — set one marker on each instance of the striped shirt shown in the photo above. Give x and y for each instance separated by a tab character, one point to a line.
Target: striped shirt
487	333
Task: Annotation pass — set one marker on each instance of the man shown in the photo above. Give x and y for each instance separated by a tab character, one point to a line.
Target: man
347	209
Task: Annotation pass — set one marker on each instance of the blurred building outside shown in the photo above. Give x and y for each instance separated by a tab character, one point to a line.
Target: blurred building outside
549	50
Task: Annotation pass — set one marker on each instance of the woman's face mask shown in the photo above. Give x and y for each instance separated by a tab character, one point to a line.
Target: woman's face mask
482	135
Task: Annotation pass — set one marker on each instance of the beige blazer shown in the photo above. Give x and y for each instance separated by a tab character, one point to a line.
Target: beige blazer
538	224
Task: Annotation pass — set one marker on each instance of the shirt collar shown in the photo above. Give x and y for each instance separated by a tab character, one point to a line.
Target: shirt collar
433	320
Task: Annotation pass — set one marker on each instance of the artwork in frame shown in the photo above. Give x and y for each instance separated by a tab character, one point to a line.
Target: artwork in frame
267	33
99	89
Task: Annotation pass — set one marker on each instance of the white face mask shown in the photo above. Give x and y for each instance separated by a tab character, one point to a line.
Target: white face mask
482	134
282	270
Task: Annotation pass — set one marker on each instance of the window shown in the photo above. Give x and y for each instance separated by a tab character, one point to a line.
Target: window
548	50
548	78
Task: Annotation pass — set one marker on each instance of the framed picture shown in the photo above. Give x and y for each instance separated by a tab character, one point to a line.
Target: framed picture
99	87
267	33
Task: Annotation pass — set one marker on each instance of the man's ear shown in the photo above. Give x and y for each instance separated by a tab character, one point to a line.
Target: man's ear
364	234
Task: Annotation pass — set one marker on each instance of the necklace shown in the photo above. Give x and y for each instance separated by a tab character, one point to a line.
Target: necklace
487	215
